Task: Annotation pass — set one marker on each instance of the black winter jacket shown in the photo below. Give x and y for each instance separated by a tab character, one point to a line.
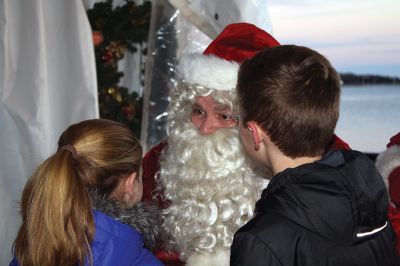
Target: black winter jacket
331	212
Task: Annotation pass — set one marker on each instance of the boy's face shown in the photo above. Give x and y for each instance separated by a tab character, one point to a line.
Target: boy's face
208	115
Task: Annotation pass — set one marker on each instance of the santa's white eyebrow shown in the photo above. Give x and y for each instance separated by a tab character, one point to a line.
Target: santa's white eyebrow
222	108
195	105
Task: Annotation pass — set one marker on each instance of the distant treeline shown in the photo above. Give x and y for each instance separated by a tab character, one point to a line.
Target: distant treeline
353	79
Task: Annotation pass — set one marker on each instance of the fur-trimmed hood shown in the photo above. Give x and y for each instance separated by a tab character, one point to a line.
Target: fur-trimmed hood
144	217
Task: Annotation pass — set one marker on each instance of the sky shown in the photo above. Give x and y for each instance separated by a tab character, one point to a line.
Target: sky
358	36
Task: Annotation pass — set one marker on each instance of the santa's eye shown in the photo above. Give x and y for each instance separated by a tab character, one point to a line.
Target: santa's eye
225	116
197	111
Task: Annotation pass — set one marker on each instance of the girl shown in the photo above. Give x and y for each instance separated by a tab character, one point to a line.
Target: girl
68	202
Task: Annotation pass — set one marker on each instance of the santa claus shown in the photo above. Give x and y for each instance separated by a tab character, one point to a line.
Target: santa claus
200	175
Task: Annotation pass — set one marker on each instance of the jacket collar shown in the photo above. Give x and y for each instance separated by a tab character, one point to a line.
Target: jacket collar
144	217
332	158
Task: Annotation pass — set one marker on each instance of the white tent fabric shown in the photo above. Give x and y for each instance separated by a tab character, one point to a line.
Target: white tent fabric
47	82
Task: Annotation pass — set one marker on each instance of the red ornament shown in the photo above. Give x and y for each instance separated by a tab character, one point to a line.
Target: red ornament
97	37
107	57
128	111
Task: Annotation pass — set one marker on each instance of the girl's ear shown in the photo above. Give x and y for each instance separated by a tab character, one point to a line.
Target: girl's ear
132	189
256	134
129	183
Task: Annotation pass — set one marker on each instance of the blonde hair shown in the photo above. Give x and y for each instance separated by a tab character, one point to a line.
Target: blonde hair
57	223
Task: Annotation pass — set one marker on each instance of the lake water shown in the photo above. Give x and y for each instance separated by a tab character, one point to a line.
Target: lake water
369	116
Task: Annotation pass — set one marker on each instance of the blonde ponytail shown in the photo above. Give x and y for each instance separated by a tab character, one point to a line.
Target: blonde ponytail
57	218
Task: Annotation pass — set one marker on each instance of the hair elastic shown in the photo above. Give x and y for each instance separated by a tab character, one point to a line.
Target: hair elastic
71	149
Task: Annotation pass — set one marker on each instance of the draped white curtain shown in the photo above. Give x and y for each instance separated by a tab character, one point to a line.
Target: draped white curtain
47	82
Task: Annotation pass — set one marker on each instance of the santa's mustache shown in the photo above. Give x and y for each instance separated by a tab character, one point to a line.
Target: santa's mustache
212	152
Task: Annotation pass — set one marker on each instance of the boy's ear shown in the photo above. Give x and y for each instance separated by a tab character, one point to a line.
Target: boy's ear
256	134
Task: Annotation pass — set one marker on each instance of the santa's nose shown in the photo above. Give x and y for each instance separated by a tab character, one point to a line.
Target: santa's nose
209	125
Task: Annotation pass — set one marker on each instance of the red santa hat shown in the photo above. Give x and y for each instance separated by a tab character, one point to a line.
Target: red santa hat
388	164
217	67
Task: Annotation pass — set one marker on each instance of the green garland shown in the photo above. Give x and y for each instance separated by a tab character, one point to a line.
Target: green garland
116	31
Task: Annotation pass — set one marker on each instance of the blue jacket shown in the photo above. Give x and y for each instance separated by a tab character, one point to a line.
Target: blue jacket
116	244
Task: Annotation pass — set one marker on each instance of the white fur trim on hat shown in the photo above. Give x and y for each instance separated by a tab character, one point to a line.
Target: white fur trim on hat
209	71
220	257
387	161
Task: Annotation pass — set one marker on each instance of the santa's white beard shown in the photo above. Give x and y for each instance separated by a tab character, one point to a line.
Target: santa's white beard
211	187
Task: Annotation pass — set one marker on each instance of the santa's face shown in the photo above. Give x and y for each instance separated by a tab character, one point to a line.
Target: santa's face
208	115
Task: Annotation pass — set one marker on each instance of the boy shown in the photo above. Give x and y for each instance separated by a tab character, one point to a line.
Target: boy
319	208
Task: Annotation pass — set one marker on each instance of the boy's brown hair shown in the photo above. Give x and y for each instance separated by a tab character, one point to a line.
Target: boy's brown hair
293	93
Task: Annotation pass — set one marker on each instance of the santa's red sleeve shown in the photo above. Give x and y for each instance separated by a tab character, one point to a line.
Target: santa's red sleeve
394	217
151	165
388	165
338	143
